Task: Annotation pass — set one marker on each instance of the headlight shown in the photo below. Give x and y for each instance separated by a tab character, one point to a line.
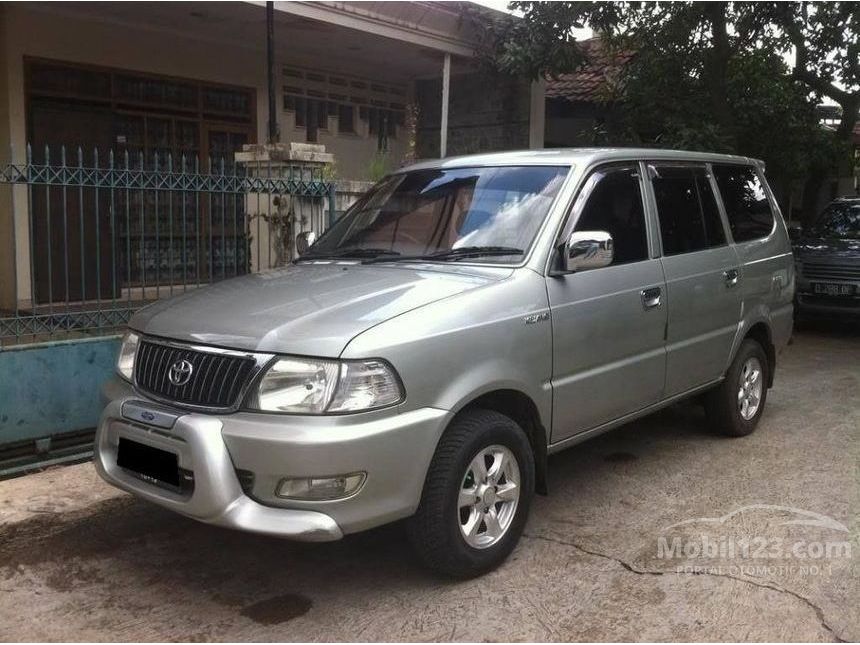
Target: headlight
365	385
297	385
127	352
316	386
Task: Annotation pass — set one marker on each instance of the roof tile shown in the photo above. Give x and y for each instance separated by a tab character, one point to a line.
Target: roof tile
596	81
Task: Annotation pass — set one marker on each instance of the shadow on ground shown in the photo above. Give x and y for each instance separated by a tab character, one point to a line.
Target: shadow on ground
153	543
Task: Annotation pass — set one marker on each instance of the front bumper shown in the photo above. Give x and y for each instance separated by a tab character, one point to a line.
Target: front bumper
393	449
827	307
810	304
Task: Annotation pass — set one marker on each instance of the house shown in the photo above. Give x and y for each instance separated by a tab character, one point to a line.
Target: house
581	105
188	80
192	76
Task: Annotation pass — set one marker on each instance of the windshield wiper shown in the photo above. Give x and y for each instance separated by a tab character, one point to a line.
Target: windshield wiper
476	251
349	253
452	254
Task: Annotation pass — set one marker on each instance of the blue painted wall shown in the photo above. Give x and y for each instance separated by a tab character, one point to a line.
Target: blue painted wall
51	388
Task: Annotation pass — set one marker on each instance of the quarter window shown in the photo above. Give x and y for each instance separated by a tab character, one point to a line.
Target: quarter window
613	203
747	207
689	218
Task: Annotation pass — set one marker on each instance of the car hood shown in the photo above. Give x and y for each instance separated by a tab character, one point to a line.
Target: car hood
311	309
837	250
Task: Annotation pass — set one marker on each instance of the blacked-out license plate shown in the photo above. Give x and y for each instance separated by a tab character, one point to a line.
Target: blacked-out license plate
149	462
833	289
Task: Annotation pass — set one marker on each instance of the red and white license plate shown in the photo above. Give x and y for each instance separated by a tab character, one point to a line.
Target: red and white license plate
832	289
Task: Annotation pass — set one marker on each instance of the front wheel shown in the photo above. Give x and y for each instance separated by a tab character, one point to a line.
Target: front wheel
736	405
476	495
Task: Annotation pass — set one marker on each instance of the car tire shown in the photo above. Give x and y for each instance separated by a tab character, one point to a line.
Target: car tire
736	405
457	501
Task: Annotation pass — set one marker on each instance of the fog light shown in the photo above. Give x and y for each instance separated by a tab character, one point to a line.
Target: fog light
320	488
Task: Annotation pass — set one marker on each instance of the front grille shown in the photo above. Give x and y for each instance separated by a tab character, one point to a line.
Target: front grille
216	381
819	271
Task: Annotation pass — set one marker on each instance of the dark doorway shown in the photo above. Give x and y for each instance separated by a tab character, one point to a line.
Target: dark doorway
72	242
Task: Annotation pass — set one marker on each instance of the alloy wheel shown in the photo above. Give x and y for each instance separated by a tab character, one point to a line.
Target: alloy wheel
488	496
750	388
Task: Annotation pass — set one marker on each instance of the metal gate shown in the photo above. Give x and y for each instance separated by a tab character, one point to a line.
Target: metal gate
95	236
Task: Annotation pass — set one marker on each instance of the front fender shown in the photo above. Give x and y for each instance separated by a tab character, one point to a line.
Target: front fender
493	376
452	351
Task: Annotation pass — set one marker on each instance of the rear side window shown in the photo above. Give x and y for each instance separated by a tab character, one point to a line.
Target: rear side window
689	218
747	207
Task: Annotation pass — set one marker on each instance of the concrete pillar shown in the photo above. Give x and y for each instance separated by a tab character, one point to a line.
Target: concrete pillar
7	221
274	220
537	114
446	89
15	279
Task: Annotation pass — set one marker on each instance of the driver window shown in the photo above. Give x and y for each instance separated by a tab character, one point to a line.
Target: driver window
614	204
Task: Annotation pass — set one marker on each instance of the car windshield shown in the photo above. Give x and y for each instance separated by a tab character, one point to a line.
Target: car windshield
489	214
840	219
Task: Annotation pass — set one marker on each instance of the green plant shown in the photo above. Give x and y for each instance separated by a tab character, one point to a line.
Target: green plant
329	172
379	166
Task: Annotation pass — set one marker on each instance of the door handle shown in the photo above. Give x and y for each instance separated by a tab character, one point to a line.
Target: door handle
732	276
651	297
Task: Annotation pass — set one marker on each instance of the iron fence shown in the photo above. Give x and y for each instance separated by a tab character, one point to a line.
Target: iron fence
96	236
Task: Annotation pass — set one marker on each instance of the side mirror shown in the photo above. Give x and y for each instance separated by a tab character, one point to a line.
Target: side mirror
587	250
304	241
795	232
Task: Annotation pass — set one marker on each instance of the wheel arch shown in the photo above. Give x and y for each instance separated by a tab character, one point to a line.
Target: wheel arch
519	407
761	333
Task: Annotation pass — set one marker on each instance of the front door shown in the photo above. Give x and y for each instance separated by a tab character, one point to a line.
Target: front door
702	276
608	323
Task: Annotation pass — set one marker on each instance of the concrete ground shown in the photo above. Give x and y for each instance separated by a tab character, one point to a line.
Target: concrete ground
82	561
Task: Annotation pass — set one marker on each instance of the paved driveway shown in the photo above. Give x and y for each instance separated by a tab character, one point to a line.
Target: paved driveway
81	561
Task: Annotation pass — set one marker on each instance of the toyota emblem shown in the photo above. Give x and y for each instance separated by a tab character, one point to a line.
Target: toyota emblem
180	373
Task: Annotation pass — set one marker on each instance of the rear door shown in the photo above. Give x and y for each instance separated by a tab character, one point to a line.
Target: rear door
608	323
762	245
702	275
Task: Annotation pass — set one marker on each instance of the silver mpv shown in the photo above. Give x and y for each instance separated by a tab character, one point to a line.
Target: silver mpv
465	318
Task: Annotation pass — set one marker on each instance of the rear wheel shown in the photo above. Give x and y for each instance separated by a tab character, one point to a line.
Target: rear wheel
476	496
736	405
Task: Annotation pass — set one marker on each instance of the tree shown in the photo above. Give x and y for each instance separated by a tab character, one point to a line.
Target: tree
711	75
826	41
